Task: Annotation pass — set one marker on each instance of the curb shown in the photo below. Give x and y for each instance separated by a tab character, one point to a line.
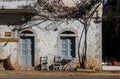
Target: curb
59	73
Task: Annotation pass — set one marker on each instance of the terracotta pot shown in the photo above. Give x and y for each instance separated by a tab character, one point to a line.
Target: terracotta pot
114	63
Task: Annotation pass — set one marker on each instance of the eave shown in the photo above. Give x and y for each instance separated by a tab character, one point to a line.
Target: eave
18	11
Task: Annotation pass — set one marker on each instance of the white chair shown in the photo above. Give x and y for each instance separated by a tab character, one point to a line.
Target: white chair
57	63
44	63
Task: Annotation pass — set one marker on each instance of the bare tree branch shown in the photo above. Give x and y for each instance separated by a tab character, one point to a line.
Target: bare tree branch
56	10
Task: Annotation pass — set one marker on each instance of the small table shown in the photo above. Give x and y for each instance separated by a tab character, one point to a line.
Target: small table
66	63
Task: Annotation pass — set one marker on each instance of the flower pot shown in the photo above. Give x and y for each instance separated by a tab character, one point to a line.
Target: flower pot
114	63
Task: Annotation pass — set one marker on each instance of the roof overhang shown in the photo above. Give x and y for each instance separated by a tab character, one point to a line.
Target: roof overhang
18	11
104	17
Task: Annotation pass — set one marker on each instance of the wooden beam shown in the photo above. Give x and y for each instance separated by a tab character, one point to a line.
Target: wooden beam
20	11
9	40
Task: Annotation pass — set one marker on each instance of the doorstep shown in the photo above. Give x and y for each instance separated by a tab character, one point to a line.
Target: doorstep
115	68
86	70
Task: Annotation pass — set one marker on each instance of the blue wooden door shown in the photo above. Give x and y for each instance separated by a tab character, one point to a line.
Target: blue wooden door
67	46
26	51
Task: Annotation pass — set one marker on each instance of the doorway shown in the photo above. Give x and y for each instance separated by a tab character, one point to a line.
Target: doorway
27	49
111	40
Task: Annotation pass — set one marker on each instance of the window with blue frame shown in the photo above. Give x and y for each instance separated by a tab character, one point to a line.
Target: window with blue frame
67	46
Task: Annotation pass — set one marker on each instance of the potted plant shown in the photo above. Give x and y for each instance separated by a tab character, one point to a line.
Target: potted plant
114	62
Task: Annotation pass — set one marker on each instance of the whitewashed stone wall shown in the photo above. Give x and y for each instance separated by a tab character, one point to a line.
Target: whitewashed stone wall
47	40
10	48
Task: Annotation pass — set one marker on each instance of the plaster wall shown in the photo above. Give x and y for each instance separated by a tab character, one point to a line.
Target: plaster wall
47	42
47	35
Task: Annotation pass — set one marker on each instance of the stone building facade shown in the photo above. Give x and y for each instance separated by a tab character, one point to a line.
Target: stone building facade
37	39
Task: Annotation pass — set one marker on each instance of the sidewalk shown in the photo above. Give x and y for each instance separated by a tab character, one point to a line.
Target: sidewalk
59	73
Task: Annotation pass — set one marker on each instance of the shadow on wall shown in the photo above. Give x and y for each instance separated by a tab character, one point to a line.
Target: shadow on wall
17	19
7	64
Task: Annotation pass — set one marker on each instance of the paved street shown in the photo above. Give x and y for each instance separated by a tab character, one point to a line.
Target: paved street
60	77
